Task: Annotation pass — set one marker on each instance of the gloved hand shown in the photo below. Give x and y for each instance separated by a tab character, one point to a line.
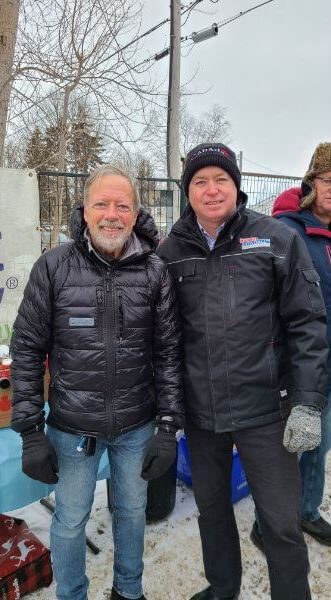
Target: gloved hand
39	459
303	429
161	453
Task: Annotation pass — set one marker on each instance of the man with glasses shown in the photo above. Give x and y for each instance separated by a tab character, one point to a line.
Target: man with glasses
308	210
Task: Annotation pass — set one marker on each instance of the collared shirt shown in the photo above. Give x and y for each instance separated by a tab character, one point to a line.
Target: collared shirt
209	239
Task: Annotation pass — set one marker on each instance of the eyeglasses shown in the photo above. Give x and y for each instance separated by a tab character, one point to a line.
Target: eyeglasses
325	182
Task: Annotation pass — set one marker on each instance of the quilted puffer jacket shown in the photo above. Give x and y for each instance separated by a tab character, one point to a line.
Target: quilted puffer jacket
111	333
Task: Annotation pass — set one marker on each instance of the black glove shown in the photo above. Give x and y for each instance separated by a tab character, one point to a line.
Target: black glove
161	453
39	459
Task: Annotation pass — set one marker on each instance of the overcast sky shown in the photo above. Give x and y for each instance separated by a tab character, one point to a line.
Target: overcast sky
271	70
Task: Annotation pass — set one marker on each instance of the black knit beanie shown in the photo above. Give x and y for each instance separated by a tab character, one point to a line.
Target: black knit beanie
210	155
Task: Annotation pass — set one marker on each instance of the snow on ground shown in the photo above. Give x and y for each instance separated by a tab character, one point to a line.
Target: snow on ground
173	564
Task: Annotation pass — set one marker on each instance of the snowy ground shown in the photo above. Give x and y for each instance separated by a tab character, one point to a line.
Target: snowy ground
173	565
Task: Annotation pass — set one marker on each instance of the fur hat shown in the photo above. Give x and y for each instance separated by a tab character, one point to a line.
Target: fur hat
210	155
320	163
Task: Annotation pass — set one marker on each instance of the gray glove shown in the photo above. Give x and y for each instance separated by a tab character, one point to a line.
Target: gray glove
303	429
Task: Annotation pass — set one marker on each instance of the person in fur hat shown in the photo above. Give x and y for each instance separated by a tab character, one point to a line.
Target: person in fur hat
308	210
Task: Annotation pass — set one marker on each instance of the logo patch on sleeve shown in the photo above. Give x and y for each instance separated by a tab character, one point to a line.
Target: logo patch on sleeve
254	242
81	321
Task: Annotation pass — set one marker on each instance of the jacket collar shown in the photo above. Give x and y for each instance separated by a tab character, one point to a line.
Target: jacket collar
287	201
187	225
144	229
307	219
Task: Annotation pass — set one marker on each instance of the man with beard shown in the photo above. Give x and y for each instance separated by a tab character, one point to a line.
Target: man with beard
102	308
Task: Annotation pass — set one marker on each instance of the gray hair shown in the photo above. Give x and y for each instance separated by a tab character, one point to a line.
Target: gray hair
106	170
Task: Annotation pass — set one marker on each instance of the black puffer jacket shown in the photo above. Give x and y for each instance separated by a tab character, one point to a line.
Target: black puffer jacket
111	333
253	320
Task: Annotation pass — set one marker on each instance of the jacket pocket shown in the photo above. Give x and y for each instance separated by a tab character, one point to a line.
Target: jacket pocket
181	270
121	330
189	286
100	312
229	293
232	289
312	280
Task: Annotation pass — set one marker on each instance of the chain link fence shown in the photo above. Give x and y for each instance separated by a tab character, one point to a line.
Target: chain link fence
262	189
59	193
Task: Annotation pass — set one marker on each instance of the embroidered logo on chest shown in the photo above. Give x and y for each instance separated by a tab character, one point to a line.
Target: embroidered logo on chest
81	322
254	242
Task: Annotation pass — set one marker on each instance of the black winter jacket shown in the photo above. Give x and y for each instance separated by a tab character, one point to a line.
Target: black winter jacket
253	320
112	337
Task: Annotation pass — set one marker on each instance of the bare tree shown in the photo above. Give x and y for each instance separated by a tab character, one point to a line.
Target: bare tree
83	153
210	126
85	143
83	49
36	151
14	154
134	162
9	11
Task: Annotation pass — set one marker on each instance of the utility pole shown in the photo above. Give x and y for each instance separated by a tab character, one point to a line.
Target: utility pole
173	152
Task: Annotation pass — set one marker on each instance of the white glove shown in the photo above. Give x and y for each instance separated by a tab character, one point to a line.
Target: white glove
303	429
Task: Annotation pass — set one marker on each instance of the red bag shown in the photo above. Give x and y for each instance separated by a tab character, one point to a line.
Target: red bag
25	564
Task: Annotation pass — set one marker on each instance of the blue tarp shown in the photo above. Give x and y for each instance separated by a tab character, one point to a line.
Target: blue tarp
16	489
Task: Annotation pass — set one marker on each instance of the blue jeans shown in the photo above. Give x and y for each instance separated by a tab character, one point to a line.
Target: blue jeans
74	495
312	467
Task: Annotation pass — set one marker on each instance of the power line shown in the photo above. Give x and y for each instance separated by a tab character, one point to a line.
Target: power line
230	19
263	166
189	10
242	13
164	52
154	28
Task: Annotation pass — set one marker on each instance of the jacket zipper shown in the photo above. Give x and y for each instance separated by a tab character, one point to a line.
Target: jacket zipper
212	400
111	357
121	321
100	312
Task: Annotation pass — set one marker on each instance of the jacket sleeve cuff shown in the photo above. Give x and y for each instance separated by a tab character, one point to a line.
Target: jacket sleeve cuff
174	421
37	421
304	398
